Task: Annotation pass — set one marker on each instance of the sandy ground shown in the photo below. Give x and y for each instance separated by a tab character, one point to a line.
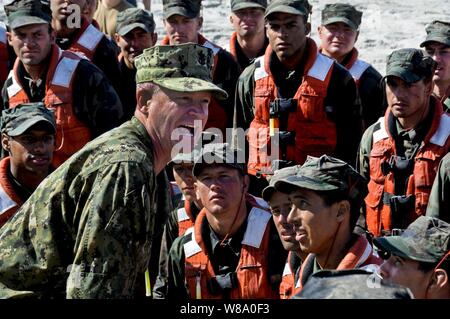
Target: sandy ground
386	24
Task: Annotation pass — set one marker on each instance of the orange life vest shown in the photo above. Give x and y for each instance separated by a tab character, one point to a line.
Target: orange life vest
356	67
288	279
185	218
3	54
233	41
87	40
315	134
71	133
252	268
217	117
360	256
10	202
435	146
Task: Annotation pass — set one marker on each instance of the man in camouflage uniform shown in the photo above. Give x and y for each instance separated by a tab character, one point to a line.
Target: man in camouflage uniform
437	45
87	231
439	201
400	153
248	40
135	32
182	23
338	33
85	103
28	135
326	195
419	258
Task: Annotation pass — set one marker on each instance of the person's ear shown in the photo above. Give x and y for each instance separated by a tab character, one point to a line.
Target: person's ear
357	36
144	98
154	38
245	183
117	37
342	210
438	280
200	23
5	142
307	28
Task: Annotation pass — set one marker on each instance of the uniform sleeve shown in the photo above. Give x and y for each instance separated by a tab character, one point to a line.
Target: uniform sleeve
344	103
243	105
176	287
113	240
96	102
438	203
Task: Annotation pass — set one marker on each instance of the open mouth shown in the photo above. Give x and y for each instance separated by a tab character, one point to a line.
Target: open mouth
188	128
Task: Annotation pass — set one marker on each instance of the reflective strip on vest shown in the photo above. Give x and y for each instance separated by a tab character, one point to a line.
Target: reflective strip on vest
90	38
382	133
256	226
321	67
191	247
260	72
64	72
287	270
6	202
441	135
182	214
212	47
2	33
15	87
358	68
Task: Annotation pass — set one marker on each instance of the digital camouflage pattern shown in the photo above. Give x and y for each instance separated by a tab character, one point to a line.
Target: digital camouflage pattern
278	175
183	68
350	284
17	120
411	65
86	232
341	12
427	239
133	18
244	4
219	154
186	8
326	173
437	31
297	7
24	12
439	203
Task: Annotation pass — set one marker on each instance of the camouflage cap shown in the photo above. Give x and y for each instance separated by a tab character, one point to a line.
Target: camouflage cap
18	120
350	284
411	65
427	239
278	175
244	4
326	173
219	154
341	12
297	7
25	12
437	31
133	18
183	68
186	8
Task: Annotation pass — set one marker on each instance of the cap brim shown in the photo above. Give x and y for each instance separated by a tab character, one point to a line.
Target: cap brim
287	185
284	9
26	20
29	124
188	84
180	11
340	19
396	245
405	75
442	40
268	192
124	30
247	5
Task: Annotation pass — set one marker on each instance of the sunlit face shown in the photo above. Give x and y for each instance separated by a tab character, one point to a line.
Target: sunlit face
185	180
405	272
31	151
181	29
315	223
219	188
32	43
407	100
248	22
280	207
287	34
441	54
134	42
337	39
